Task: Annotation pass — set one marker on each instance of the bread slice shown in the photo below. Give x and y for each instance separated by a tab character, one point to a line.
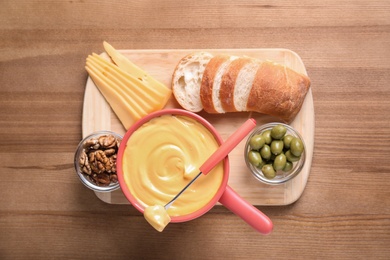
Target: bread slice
278	91
222	70
213	68
244	83
235	83
187	78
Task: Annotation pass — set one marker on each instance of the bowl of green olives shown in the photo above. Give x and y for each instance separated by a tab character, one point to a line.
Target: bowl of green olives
275	153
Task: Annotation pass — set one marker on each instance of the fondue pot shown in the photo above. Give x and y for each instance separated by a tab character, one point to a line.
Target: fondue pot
224	195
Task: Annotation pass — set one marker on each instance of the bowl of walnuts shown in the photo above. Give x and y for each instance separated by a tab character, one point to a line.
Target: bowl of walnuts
95	161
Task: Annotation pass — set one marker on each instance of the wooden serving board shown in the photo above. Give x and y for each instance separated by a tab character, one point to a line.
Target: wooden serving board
97	115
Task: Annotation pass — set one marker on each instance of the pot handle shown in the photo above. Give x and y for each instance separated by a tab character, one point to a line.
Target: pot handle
251	215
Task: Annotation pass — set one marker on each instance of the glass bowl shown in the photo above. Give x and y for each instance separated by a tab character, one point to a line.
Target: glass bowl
281	176
86	179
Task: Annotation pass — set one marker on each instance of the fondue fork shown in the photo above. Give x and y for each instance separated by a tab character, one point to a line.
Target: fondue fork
220	154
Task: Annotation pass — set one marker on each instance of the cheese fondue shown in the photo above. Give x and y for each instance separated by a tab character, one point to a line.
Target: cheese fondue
157	217
163	155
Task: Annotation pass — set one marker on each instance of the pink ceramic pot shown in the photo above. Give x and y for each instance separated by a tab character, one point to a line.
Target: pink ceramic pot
225	195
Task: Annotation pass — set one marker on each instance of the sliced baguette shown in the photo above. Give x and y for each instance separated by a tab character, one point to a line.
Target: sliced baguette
244	82
225	84
209	75
278	91
222	70
187	78
236	83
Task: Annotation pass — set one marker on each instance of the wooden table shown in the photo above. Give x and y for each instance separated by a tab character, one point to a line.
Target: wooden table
46	213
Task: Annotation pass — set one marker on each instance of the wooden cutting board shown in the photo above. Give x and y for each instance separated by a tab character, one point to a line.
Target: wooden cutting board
97	115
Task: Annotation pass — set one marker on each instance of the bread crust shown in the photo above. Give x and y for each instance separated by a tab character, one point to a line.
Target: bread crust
278	91
228	83
272	88
206	88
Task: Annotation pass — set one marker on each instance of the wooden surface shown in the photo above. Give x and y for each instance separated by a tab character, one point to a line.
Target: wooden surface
46	213
97	115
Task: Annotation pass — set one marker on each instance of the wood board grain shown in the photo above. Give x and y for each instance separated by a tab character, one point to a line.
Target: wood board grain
97	115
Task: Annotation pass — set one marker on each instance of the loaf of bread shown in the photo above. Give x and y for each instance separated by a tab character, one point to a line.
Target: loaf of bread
225	83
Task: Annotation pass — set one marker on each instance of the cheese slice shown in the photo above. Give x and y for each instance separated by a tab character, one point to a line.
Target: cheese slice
146	92
138	74
120	107
131	93
108	87
120	84
125	64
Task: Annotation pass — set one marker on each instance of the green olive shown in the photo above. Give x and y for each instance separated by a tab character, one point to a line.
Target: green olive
296	146
268	171
288	167
254	158
265	152
274	150
267	136
256	142
277	147
290	157
278	131
287	140
280	162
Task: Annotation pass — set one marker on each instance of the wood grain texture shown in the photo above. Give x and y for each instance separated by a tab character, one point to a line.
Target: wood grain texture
46	213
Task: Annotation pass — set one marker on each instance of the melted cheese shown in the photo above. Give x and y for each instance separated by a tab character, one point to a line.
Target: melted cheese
163	156
157	217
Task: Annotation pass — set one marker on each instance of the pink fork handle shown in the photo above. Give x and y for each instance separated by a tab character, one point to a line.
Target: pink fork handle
251	215
228	146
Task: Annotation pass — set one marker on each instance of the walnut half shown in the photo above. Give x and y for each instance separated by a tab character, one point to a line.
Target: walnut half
98	159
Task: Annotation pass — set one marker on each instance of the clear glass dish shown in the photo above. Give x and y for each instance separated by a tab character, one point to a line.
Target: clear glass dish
281	176
85	178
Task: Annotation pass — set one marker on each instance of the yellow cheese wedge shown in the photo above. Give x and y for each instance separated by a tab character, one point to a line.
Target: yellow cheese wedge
119	83
131	98
145	92
119	99
138	74
125	64
116	101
